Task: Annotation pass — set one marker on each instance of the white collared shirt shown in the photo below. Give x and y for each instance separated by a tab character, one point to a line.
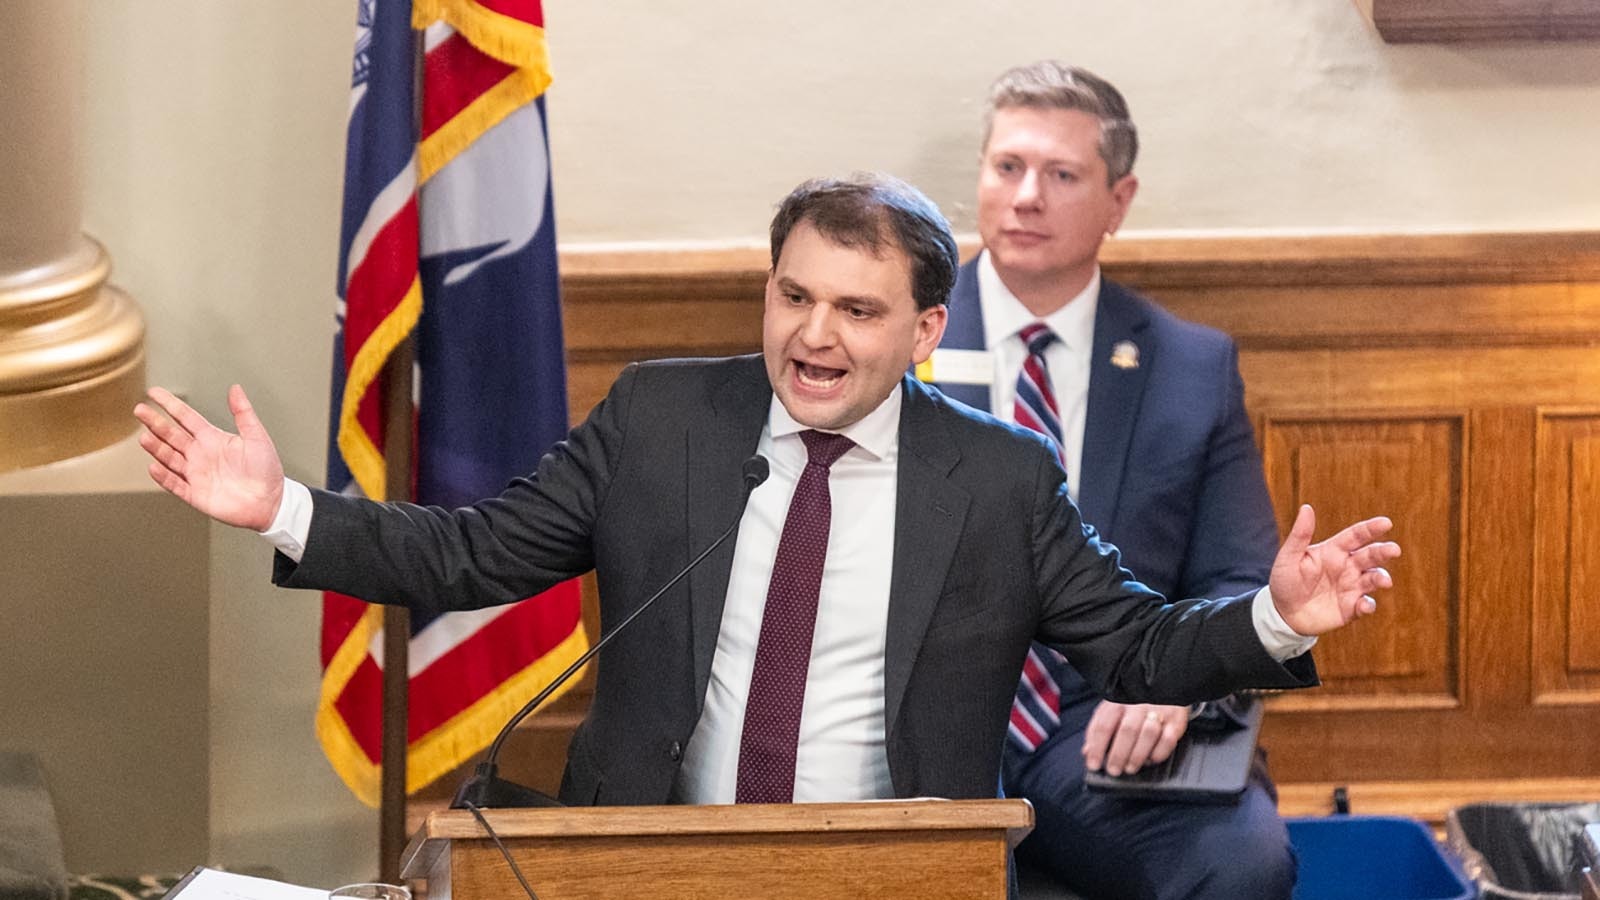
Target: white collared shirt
841	753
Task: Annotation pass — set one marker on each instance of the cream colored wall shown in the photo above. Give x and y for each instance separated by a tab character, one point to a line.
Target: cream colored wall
688	121
214	148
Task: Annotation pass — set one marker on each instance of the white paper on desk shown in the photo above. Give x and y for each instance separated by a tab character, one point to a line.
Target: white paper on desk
214	884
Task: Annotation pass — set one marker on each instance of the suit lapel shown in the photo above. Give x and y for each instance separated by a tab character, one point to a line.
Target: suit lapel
930	513
1114	396
716	451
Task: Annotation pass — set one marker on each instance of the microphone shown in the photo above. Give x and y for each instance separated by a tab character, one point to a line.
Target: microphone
486	788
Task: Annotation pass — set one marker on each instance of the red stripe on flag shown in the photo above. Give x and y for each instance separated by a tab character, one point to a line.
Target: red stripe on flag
490	656
471	670
377	286
339	616
456	74
527	10
360	704
381	279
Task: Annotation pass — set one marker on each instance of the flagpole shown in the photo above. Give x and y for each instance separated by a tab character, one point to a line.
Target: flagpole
398	447
499	65
399	443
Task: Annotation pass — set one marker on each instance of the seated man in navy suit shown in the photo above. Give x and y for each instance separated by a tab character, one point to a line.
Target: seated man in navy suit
1148	412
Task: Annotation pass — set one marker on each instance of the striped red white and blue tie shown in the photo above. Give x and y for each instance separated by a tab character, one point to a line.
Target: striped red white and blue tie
1035	712
1036	401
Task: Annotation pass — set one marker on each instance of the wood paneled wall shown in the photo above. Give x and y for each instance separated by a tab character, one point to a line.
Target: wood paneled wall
1451	382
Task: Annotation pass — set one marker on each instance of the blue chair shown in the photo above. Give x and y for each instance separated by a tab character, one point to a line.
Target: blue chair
1373	858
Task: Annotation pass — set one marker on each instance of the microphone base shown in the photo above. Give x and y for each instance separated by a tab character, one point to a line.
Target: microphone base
486	790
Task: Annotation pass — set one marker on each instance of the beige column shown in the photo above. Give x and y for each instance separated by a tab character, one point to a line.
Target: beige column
71	346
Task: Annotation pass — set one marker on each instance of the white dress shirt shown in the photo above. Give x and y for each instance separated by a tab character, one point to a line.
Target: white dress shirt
841	752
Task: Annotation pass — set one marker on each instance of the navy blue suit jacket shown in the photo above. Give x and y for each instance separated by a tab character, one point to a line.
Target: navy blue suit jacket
1170	473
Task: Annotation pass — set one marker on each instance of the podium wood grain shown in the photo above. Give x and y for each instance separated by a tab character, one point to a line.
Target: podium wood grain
927	849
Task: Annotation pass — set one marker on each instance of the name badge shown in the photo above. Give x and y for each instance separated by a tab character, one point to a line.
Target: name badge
948	365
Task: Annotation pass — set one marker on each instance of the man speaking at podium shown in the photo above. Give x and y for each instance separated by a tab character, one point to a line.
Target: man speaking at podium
862	635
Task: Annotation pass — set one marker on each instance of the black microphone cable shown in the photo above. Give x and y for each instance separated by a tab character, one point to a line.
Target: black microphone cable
515	869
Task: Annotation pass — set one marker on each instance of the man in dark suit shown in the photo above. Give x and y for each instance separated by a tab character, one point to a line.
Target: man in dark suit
1149	412
950	543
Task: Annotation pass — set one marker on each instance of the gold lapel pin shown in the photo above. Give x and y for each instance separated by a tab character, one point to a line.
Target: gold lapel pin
1125	355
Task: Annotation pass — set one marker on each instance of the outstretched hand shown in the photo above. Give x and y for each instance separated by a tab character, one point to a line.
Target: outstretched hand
1319	587
236	479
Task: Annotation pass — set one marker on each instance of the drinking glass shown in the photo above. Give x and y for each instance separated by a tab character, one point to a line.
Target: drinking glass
371	891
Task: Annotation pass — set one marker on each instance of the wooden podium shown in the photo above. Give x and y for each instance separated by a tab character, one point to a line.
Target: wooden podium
896	848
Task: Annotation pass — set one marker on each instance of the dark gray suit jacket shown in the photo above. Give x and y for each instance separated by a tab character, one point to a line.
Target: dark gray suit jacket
989	553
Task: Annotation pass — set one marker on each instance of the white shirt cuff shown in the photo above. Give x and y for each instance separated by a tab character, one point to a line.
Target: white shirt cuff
292	525
1280	641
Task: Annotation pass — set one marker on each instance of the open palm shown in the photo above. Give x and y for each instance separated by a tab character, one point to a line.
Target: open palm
234	478
1319	587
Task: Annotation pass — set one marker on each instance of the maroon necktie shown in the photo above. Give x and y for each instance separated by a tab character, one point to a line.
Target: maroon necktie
783	652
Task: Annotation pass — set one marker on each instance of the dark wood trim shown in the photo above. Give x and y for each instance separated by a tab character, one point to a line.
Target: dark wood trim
625	305
1454	21
1255	260
1430	800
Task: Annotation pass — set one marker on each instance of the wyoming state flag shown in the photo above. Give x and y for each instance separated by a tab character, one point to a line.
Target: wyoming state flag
448	234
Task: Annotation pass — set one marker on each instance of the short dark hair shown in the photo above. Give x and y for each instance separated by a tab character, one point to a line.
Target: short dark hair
1053	85
876	211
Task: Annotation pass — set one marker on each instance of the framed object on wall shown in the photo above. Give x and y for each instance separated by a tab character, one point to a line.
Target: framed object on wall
1418	21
